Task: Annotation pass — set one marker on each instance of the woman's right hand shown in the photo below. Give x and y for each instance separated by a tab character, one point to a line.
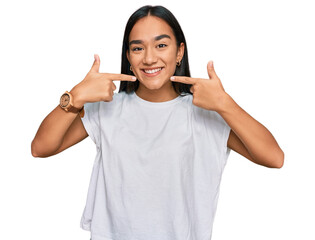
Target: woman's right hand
97	86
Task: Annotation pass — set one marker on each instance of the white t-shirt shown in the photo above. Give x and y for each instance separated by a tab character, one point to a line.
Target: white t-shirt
157	170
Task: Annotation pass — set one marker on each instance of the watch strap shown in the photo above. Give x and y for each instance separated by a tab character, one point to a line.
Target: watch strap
76	110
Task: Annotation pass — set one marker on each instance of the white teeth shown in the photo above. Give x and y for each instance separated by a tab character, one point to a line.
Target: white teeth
153	70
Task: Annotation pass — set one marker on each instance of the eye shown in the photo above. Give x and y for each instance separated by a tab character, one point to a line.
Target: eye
162	45
135	49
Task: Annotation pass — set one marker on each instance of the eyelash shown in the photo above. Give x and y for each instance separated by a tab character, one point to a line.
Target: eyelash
162	45
136	49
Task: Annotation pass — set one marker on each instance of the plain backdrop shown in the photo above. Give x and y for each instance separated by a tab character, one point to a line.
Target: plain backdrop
263	52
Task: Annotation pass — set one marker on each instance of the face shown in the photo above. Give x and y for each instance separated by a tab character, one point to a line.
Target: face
153	52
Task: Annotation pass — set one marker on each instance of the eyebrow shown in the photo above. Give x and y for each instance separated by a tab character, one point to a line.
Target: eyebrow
157	38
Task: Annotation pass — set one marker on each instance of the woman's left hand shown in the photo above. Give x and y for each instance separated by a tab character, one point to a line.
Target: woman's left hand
207	93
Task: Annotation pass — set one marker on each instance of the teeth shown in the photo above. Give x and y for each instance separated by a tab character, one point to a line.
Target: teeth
153	70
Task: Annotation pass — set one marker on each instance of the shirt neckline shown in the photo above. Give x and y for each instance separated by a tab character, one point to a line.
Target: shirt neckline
157	104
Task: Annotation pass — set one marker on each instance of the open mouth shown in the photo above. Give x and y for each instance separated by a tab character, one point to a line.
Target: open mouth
152	71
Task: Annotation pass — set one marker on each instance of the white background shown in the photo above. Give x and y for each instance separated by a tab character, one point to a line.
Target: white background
263	52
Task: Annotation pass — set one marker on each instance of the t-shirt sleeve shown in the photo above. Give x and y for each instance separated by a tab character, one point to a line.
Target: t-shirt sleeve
221	131
91	121
224	129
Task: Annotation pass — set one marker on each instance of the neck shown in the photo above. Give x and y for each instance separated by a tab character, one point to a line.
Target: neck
156	95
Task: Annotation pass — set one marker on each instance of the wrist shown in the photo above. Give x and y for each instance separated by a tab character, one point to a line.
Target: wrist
226	104
77	100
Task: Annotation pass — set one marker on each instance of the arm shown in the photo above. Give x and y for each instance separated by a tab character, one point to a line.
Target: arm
247	137
250	138
60	129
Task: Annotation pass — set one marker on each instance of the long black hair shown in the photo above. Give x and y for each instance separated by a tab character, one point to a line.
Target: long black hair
167	16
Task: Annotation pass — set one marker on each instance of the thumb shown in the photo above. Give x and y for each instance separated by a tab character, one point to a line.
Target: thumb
96	65
212	74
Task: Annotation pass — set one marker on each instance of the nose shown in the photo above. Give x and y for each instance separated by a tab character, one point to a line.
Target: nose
149	56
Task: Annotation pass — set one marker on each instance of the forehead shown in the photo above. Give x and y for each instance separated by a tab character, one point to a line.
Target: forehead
149	27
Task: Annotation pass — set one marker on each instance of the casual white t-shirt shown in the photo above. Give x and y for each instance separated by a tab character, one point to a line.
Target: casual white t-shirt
157	170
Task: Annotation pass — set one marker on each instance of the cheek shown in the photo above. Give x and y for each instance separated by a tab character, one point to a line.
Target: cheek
133	59
172	56
171	62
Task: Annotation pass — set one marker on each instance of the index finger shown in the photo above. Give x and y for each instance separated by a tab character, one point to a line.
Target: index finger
183	79
122	77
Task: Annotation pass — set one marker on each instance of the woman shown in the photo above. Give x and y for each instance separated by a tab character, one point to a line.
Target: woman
162	141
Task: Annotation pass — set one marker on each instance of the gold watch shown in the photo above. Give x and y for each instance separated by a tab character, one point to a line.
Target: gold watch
66	103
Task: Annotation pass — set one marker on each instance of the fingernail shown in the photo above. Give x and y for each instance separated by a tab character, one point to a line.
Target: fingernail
172	78
134	78
211	64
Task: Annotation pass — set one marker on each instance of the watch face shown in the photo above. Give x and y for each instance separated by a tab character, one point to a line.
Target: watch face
64	100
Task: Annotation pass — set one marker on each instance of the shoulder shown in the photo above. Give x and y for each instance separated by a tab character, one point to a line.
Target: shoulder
99	106
208	116
118	98
120	95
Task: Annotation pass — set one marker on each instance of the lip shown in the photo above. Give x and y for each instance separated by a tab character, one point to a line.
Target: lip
151	74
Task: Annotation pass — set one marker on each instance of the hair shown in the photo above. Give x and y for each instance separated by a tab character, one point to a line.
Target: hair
167	16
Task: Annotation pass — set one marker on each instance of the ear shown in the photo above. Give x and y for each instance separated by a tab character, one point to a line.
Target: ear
180	52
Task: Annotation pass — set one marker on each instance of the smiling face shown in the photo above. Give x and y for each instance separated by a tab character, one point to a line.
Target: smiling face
153	54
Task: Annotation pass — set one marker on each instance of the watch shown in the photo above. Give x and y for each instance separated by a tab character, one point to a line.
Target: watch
66	103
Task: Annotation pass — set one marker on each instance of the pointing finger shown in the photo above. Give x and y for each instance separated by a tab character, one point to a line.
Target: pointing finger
182	79
122	77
